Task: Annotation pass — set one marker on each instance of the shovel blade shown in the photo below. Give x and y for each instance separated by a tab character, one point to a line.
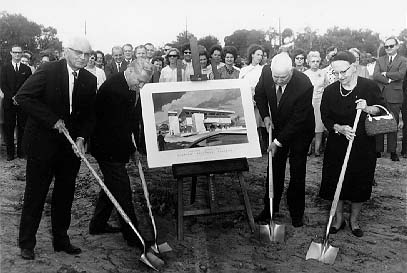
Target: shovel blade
277	233
323	254
161	248
272	233
152	261
264	233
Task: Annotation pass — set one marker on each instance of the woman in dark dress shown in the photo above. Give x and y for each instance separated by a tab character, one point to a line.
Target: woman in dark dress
340	101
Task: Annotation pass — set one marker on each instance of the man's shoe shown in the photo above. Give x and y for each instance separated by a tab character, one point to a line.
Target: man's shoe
357	231
394	157
264	216
297	222
10	157
27	254
378	155
68	248
334	230
106	229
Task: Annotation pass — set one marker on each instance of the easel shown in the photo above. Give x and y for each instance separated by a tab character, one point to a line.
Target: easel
208	169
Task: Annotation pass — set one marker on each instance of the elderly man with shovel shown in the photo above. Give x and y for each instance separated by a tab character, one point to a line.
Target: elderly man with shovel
286	94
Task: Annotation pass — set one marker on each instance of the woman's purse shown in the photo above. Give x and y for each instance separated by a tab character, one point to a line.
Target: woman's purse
377	125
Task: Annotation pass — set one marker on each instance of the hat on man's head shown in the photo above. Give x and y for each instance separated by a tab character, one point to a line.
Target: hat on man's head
344	56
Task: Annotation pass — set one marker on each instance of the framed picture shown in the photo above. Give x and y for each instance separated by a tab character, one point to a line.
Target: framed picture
187	122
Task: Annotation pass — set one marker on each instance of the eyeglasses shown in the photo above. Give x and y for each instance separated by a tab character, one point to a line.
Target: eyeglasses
187	52
166	49
389	46
172	56
17	52
78	52
342	73
299	58
92	58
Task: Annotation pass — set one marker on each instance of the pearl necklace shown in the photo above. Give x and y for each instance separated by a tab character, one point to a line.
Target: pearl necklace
342	94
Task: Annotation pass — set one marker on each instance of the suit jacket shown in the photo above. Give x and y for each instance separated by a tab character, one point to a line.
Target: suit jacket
293	118
392	92
116	120
11	80
111	68
45	99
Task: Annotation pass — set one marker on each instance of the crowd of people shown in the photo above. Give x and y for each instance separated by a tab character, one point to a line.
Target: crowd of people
298	95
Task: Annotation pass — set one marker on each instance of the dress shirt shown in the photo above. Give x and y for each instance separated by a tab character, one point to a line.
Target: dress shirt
71	83
14	65
278	143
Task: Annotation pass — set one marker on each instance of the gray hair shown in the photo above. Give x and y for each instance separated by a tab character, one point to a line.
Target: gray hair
313	54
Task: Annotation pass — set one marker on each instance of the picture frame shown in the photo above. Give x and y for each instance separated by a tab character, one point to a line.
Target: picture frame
198	121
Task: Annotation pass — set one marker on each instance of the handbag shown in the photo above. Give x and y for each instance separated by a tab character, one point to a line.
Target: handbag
380	124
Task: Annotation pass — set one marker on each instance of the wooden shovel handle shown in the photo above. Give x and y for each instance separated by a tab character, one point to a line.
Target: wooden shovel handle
270	169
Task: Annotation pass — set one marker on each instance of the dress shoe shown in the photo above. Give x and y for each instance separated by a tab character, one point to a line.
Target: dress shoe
378	155
357	231
67	248
10	157
27	254
106	229
264	216
394	157
297	222
334	230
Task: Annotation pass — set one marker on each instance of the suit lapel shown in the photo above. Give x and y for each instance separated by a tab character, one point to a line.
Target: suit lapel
64	85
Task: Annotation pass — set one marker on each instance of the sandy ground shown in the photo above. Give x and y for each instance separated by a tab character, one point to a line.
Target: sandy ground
217	243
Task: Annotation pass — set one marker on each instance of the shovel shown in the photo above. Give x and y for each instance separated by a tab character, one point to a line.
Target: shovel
271	232
324	252
146	257
164	247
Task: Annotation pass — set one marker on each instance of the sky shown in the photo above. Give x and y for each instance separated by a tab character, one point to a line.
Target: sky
110	23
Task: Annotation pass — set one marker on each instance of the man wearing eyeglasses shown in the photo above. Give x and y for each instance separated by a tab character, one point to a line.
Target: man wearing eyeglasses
13	75
58	95
389	73
187	62
118	113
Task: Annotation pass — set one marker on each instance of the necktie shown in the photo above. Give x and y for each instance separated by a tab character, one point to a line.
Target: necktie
391	59
279	94
75	75
118	67
16	67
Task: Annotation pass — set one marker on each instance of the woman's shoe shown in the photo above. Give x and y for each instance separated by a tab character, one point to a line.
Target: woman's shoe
334	230
357	231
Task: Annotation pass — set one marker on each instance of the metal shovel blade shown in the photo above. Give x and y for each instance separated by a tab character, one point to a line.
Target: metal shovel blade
152	261
272	233
322	252
161	248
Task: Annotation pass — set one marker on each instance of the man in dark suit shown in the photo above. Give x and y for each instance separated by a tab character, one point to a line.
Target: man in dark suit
389	73
59	95
117	118
118	64
13	75
404	117
288	95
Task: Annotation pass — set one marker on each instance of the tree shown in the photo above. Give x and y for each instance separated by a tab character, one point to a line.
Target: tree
17	29
182	39
243	38
208	41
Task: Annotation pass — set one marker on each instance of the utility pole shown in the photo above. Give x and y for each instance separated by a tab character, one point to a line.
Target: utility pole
85	27
186	29
279	32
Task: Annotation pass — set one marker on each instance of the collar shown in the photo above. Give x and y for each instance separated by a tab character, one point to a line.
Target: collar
124	74
393	56
14	63
70	70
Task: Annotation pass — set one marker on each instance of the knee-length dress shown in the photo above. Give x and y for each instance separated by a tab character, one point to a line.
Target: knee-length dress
337	108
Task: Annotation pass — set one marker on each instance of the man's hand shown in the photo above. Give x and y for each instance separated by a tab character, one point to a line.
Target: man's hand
272	149
14	101
268	123
347	131
60	126
80	147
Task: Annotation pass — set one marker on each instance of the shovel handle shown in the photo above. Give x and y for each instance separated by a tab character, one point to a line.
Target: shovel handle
270	169
105	189
343	171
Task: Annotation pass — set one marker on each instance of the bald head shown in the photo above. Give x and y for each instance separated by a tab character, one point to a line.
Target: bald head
281	63
281	68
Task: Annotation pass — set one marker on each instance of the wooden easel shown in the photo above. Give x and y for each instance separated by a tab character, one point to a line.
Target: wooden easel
208	169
